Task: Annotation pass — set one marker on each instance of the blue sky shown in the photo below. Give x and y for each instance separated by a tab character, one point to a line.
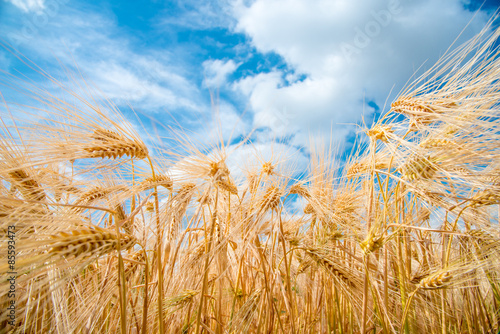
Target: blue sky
288	69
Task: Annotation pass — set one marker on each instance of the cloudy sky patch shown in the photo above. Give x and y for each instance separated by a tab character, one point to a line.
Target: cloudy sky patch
283	68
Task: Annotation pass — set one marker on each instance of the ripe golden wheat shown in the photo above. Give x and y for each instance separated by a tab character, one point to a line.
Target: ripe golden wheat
401	238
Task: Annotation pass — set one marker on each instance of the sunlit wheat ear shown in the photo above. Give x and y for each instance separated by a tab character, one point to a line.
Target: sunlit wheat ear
421	110
268	168
159	180
180	203
482	237
253	182
219	174
380	132
372	243
486	245
97	193
419	167
185	192
228	185
335	235
330	266
309	209
436	142
437	280
26	184
484	198
271	198
150	206
246	313
300	190
120	212
182	299
303	266
364	166
293	239
130	266
109	144
356	168
218	169
88	242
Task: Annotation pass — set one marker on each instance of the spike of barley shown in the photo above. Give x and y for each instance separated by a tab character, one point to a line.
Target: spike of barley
108	144
436	280
87	242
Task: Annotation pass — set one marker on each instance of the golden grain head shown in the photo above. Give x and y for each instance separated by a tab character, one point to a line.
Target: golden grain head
26	184
120	212
484	239
309	209
435	142
108	144
379	132
372	243
481	234
299	190
228	185
87	242
436	281
365	166
303	266
98	192
411	106
330	266
150	206
218	170
183	298
419	168
104	135
268	168
186	190
159	181
253	182
484	198
271	198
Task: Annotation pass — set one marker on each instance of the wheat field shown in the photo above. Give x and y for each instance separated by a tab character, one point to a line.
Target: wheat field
111	233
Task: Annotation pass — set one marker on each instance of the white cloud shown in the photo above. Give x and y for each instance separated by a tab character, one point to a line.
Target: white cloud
217	71
197	15
288	160
123	85
28	5
349	51
221	123
91	43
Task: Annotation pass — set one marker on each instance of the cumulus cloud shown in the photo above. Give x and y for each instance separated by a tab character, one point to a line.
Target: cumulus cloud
28	5
350	52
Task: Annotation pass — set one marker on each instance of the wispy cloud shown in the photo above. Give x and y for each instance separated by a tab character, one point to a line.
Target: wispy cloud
196	15
216	71
112	61
28	5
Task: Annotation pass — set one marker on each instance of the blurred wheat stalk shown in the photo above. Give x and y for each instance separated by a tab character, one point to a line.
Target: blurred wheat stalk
405	238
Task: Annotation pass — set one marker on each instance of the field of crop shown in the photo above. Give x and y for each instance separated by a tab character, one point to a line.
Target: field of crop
103	232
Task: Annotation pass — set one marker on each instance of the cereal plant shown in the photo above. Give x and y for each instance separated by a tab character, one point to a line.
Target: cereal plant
116	233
